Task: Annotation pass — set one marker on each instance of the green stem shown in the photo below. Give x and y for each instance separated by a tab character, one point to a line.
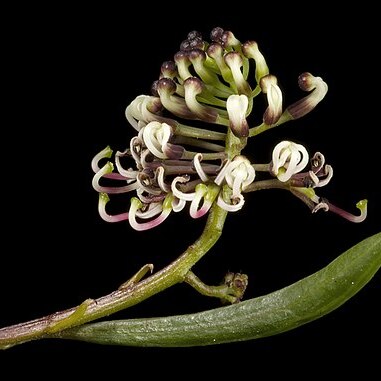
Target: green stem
259	129
285	117
198	133
199	143
266	184
124	297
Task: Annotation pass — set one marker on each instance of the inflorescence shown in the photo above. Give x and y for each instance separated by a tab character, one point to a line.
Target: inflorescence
169	163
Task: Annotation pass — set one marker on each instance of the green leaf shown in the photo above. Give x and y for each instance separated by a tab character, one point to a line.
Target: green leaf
280	311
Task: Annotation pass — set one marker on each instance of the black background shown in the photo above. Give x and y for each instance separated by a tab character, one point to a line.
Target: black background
69	75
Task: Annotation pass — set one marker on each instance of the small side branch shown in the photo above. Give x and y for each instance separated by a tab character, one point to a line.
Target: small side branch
230	291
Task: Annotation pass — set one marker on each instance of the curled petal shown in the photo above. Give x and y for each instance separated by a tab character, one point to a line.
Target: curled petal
126	173
197	165
178	205
288	158
160	180
237	106
133	111
146	182
206	192
234	207
200	191
106	153
149	198
328	172
177	193
103	200
321	206
221	174
107	169
317	162
136	205
136	148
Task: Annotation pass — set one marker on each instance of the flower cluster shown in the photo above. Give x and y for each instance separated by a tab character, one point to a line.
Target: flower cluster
169	162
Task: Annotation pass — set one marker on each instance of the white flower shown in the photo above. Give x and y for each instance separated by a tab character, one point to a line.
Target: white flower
156	137
288	158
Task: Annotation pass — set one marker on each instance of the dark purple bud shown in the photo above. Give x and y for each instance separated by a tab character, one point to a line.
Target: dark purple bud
195	83
306	81
168	69
185	45
216	34
167	85
197	54
196	43
194	34
181	57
